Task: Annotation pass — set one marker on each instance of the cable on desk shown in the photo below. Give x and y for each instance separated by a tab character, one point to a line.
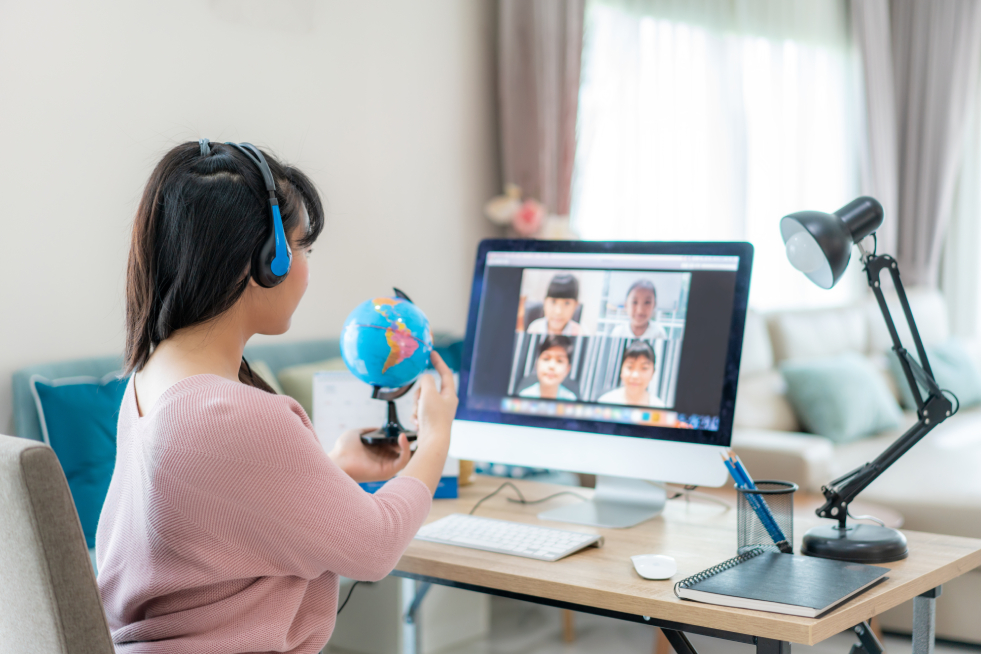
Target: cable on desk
348	598
865	517
522	499
689	492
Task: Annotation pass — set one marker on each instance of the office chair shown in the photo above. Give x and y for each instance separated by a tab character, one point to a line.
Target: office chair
49	600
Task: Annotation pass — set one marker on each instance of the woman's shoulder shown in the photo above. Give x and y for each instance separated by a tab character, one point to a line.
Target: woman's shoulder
214	413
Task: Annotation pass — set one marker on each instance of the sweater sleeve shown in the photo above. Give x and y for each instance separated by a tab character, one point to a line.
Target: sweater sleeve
248	472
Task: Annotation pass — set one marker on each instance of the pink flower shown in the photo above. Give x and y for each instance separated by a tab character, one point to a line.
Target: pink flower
529	217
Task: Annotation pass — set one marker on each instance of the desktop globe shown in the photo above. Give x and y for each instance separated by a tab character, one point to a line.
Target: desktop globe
386	343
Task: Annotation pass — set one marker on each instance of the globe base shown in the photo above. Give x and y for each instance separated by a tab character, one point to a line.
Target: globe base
390	432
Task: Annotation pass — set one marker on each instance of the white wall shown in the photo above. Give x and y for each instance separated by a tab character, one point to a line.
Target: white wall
388	105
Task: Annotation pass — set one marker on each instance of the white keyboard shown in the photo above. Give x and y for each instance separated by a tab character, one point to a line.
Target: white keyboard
506	537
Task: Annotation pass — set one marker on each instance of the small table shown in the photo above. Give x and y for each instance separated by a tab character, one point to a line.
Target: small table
698	535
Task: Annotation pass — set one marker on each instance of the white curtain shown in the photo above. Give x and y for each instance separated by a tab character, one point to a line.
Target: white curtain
710	120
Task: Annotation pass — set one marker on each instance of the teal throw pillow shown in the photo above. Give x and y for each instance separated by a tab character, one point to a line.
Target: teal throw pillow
842	398
78	420
952	368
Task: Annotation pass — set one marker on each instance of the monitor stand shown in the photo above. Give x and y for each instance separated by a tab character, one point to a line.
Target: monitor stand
618	502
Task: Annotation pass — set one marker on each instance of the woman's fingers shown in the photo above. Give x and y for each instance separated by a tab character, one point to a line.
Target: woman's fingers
446	384
404	452
426	384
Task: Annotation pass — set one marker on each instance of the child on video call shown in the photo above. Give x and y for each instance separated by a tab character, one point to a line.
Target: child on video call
640	304
636	373
561	302
552	367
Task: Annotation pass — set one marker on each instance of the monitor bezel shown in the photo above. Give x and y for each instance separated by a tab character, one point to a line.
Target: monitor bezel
720	437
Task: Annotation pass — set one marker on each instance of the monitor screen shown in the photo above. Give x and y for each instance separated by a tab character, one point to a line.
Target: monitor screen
630	339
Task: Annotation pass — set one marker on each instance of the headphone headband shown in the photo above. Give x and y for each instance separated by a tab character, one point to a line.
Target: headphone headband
255	155
272	259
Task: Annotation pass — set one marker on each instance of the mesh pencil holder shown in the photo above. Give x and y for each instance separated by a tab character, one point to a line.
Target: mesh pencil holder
764	514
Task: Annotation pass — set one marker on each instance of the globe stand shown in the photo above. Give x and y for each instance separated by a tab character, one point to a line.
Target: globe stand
389	432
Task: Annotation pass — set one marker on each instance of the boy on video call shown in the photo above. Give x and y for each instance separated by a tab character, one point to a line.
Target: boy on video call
640	304
561	302
552	367
636	373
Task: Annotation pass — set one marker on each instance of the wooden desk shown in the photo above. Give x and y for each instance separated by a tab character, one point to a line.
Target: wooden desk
698	535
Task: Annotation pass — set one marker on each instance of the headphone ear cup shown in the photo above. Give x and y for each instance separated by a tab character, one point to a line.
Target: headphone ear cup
262	260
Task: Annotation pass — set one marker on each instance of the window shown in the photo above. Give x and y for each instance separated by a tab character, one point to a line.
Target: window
711	120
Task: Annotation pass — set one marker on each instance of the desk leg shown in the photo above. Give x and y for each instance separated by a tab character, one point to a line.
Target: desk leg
769	646
869	643
925	621
413	592
679	641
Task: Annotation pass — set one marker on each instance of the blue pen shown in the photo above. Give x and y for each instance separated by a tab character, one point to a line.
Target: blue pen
759	505
747	482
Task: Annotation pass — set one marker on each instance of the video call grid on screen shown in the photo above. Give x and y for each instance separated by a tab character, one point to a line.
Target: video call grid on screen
623	343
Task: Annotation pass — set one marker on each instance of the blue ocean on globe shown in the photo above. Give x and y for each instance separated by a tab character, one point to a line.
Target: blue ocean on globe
386	342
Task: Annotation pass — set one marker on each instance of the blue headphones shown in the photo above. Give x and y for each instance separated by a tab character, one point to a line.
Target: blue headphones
272	259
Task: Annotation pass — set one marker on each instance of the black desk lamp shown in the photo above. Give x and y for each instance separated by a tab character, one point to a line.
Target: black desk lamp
819	245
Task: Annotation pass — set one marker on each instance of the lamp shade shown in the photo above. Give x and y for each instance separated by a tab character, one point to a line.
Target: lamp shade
819	244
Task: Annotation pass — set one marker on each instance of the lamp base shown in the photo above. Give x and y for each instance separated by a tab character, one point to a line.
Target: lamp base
856	543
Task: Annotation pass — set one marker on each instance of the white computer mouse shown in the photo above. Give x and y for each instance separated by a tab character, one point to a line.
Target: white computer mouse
654	566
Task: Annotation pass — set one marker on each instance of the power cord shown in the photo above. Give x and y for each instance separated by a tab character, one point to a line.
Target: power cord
348	598
522	499
865	517
689	492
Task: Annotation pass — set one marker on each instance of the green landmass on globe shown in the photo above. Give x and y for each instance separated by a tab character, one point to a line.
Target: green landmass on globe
386	342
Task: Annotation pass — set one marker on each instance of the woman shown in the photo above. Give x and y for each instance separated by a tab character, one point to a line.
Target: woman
226	524
636	373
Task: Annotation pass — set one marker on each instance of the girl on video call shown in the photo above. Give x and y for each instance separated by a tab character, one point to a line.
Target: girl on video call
561	302
636	373
226	524
552	367
640	303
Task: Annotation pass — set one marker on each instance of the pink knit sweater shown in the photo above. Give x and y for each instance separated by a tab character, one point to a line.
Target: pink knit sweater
226	525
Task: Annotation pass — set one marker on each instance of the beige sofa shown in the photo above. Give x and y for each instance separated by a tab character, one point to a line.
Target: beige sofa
936	486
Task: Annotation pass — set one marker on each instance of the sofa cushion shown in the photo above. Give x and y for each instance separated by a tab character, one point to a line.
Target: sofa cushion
953	369
842	398
803	459
78	420
761	403
757	353
818	333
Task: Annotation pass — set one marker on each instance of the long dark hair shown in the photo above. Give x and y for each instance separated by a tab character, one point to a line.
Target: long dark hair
199	220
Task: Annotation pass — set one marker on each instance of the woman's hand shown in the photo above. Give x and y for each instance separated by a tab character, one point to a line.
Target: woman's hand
436	408
369	462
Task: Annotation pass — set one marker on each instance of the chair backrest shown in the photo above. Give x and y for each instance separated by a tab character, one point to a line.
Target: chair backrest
49	600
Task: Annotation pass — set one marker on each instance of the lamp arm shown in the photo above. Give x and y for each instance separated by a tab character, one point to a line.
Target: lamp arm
932	410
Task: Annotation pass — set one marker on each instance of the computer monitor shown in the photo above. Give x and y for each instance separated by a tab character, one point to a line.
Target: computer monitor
617	359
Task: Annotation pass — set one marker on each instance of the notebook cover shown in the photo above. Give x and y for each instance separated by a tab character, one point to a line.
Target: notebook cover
803	581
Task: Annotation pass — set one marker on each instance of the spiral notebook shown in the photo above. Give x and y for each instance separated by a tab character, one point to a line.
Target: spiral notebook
765	580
